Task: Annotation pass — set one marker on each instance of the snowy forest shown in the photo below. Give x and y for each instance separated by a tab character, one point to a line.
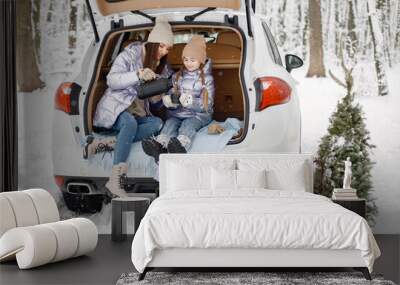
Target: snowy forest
348	47
369	31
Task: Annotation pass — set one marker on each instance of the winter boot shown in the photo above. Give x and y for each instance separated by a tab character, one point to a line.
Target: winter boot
155	146
117	181
94	145
179	144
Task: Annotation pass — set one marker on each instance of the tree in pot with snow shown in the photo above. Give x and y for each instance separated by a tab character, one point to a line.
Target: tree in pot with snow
347	137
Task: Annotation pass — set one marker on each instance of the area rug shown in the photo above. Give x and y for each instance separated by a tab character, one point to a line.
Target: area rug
243	278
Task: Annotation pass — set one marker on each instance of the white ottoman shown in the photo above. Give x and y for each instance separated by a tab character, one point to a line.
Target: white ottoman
31	232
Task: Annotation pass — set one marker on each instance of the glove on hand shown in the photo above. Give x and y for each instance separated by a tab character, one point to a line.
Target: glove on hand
146	74
186	99
167	101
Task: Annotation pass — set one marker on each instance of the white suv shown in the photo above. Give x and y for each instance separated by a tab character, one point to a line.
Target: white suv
252	85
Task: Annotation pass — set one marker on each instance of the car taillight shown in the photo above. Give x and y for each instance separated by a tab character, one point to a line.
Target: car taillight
67	98
59	180
271	91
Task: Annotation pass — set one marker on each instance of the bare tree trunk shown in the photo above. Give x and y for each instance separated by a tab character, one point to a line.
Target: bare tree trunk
336	27
316	67
306	25
397	35
36	25
50	12
330	28
282	36
72	25
383	6
377	41
28	75
351	41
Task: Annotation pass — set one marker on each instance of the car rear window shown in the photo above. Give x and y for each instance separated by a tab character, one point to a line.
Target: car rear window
272	47
180	38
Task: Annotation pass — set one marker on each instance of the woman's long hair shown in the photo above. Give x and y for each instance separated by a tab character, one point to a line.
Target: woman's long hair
204	91
150	60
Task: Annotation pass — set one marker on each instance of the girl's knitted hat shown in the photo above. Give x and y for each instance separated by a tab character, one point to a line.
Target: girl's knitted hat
196	48
161	32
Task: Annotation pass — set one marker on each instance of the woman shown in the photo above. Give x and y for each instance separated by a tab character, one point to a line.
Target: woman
120	110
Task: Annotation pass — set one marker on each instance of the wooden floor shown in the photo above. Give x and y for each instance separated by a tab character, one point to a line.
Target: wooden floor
110	260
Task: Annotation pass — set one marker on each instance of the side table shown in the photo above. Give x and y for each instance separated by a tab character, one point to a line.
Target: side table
355	205
138	205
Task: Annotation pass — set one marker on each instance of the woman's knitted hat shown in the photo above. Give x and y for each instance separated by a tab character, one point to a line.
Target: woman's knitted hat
196	48
161	32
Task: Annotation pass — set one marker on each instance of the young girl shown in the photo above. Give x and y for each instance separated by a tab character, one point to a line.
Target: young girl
194	85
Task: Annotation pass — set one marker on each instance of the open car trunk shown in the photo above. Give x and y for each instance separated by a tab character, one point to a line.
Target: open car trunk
107	7
224	47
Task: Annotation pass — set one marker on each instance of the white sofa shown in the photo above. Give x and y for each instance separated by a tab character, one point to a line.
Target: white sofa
31	231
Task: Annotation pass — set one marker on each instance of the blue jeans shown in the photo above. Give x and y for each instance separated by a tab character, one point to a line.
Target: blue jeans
132	129
187	127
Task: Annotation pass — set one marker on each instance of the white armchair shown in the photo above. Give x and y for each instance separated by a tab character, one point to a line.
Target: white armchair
31	230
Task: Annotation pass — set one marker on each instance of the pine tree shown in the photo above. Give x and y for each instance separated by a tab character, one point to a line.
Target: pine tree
347	137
